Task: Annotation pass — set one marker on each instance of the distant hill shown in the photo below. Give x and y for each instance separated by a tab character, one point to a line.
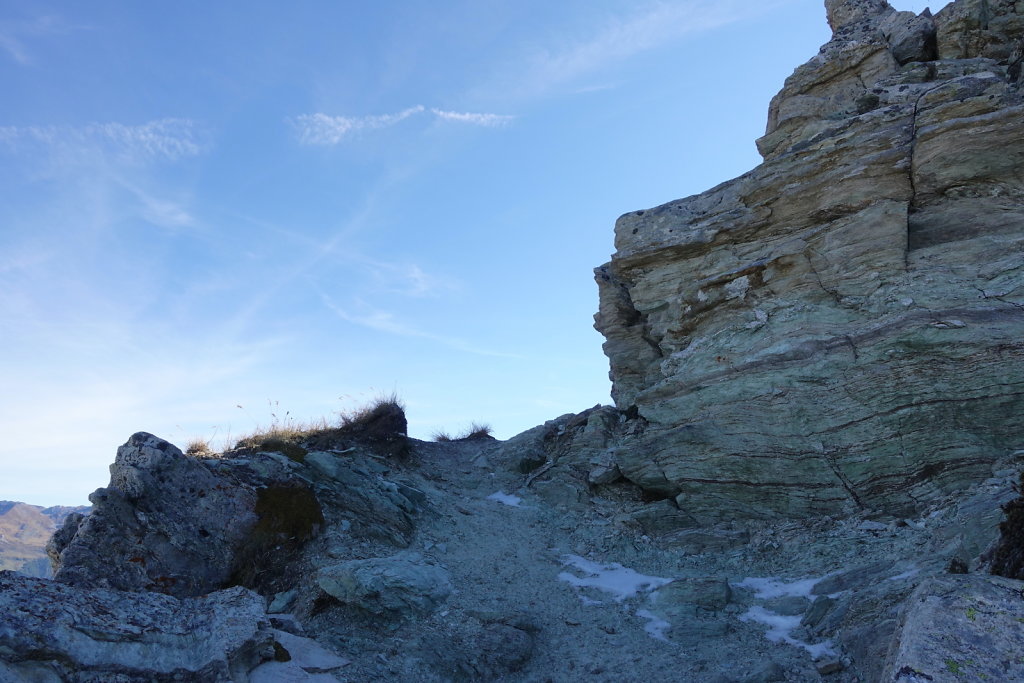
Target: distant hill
24	532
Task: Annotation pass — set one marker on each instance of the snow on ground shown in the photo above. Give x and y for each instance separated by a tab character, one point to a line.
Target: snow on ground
768	587
780	629
656	626
506	498
621	582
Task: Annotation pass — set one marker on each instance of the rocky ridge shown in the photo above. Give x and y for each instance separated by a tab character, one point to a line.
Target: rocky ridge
838	330
750	520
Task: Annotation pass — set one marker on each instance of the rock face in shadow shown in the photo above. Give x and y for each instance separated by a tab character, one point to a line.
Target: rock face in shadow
841	328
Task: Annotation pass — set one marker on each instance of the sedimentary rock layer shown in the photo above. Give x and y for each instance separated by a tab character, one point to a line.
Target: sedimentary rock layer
843	326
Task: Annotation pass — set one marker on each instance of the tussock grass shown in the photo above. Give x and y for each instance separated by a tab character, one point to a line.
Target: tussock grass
199	448
381	423
476	430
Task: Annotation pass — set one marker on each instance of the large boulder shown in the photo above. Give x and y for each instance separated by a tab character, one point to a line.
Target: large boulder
166	522
841	328
401	586
54	632
957	628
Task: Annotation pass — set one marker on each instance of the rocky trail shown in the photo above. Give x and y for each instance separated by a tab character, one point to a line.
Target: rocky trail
566	586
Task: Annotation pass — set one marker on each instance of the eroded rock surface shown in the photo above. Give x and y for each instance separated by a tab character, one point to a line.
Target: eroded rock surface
841	328
957	628
55	632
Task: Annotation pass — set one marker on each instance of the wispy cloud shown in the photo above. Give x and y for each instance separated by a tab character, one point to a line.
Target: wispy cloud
486	120
159	140
620	37
15	35
323	129
383	321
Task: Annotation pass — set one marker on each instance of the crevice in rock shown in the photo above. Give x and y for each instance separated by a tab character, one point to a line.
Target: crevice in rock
830	459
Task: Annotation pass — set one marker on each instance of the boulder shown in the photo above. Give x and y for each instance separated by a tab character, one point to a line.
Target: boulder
399	586
53	631
957	628
166	523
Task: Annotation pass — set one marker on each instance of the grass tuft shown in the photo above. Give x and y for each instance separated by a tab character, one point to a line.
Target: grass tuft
476	430
199	448
381	424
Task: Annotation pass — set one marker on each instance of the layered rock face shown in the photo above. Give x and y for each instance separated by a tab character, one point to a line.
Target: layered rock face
841	328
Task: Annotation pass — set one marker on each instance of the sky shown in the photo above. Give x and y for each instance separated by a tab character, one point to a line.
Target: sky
215	217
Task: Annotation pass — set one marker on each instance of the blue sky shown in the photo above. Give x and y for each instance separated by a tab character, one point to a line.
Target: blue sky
295	207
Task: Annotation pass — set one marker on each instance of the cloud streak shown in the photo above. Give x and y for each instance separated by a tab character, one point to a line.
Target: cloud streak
486	120
326	130
622	37
13	35
383	321
159	140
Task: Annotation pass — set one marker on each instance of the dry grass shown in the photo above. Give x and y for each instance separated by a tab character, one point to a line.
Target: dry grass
476	430
199	448
383	419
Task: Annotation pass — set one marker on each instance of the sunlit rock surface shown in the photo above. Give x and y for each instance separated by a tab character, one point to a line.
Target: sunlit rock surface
841	328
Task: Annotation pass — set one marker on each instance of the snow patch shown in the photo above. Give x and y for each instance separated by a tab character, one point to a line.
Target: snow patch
780	629
506	498
655	626
621	582
768	587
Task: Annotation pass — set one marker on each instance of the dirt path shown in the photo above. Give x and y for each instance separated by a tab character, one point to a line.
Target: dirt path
563	590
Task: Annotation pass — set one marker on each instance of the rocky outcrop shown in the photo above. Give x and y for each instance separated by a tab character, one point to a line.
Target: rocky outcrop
187	526
55	632
841	328
957	628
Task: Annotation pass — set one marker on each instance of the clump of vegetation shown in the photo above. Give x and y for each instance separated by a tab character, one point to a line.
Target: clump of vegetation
199	448
383	417
476	430
381	425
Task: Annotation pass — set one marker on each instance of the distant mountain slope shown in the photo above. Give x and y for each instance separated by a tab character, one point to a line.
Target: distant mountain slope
24	531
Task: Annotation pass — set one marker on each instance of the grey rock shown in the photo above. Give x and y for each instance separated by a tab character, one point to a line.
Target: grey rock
282	601
769	673
857	577
817	611
52	631
659	519
166	523
706	540
690	596
788	605
394	586
757	333
375	506
911	38
484	653
561	494
304	657
956	628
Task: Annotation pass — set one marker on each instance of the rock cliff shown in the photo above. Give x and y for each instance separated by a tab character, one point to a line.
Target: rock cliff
841	328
